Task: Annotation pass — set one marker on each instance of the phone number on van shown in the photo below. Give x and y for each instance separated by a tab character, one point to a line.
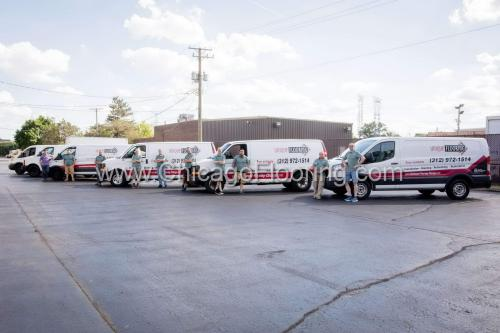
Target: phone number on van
293	160
450	159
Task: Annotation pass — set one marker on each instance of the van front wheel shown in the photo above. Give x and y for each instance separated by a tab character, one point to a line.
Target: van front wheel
118	178
364	190
458	189
33	171
19	169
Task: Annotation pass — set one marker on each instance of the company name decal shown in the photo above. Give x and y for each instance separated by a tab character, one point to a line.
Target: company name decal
110	150
299	150
460	148
195	150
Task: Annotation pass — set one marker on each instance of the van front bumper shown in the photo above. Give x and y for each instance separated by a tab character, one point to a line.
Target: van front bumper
481	181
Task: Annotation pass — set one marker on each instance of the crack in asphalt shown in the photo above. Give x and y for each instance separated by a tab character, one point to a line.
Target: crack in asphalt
104	316
424	210
348	291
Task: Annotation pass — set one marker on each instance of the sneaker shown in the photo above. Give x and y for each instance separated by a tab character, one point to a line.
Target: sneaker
159	186
183	188
354	199
348	199
241	190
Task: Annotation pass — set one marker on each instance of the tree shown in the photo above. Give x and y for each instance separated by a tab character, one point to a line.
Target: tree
119	109
32	131
144	130
374	128
57	133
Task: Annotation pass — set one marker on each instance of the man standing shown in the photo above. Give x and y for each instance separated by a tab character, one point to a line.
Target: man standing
350	162
220	162
45	164
241	165
99	166
320	171
136	167
188	168
69	166
159	160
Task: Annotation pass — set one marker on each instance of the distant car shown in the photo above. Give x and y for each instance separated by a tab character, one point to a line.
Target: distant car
425	164
13	153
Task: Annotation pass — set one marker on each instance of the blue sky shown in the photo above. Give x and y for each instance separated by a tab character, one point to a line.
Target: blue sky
139	48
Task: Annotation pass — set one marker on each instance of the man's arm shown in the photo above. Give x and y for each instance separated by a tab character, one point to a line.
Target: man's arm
362	159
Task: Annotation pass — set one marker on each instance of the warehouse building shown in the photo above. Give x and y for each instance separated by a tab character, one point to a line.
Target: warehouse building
336	136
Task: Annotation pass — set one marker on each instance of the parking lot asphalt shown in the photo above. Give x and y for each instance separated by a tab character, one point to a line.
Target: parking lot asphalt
78	258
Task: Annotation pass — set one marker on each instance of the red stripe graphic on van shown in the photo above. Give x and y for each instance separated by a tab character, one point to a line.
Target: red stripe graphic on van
430	173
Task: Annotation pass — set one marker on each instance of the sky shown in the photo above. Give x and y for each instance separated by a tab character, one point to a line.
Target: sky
299	59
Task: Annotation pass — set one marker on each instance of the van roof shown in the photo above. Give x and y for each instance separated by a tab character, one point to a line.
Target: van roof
274	140
423	138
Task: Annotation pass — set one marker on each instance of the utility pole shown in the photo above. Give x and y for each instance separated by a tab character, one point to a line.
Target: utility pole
96	120
459	113
200	53
360	112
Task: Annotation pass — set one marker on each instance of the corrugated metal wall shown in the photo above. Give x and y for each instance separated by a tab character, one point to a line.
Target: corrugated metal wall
336	136
494	144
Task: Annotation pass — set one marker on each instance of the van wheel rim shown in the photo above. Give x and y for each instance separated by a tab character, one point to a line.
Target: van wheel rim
459	189
361	190
117	180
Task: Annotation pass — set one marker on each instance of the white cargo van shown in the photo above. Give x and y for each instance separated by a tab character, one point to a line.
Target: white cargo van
285	161
426	164
29	159
119	169
85	158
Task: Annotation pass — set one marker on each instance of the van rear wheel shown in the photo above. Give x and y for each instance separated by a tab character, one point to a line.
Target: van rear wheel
458	189
211	184
426	193
301	181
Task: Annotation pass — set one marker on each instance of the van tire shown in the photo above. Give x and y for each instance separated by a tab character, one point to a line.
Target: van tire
118	178
33	170
210	185
303	182
19	169
364	189
56	173
426	193
458	189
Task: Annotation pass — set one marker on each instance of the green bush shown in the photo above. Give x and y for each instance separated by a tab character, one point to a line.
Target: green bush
6	146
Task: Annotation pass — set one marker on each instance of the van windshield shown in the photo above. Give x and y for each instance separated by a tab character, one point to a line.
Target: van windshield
360	146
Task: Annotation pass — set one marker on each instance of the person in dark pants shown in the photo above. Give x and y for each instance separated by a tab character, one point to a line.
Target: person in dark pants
188	168
45	164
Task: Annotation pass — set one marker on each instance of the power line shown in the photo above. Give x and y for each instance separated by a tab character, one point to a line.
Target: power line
287	18
168	108
13	84
330	17
372	53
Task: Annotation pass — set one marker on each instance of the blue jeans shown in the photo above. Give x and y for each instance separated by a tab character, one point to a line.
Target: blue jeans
351	175
45	171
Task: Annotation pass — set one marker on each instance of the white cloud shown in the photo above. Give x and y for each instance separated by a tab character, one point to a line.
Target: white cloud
480	93
442	74
68	89
476	11
165	24
11	116
27	63
491	62
159	61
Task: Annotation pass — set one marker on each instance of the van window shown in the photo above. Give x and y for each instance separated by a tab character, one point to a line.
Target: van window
234	150
381	152
132	149
49	150
70	150
360	146
30	152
